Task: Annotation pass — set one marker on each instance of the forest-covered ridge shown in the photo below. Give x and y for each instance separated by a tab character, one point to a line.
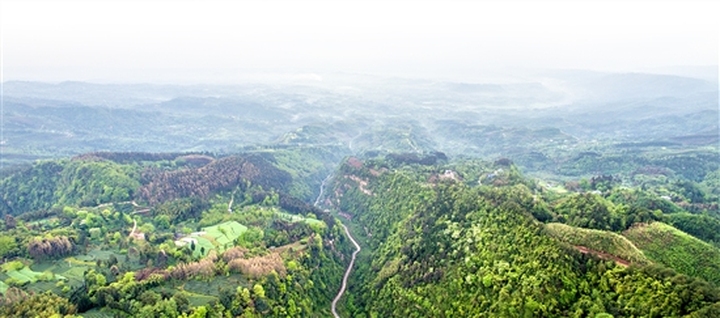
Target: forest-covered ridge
469	238
166	232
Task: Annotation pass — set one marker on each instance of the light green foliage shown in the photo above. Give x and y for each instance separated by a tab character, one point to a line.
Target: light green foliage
147	228
26	275
3	287
116	237
305	288
162	222
218	237
259	291
459	251
12	266
299	218
199	312
597	240
95	233
671	247
396	199
225	233
90	183
8	245
216	214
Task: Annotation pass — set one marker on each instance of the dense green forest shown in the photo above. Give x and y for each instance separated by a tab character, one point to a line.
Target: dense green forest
469	238
206	235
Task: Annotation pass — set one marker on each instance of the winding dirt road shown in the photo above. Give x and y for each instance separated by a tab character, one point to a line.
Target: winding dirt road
322	190
352	260
347	272
133	229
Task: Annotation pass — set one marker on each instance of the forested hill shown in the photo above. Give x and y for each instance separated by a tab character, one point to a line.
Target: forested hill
471	239
202	235
146	178
169	235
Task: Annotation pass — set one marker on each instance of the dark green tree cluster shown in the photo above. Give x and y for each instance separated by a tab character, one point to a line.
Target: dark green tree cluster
642	199
74	182
93	182
702	226
181	209
587	210
32	188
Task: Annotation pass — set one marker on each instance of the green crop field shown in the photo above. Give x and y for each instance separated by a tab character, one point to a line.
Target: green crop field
74	274
297	218
203	243
217	237
3	287
96	313
27	275
24	275
225	233
199	290
200	299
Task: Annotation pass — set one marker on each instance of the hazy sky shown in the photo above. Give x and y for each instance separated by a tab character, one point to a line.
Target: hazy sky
211	41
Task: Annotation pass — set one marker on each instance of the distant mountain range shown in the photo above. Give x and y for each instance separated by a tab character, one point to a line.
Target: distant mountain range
44	120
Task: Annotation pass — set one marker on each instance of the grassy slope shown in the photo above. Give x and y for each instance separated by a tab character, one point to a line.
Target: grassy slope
602	241
671	247
217	237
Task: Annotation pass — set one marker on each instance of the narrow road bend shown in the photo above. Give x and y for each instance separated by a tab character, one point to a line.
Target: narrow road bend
347	272
343	287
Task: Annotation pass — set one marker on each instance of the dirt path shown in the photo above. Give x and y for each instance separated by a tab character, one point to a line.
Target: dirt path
132	233
111	203
322	189
350	144
603	255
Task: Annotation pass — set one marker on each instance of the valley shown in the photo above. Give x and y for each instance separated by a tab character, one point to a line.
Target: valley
393	198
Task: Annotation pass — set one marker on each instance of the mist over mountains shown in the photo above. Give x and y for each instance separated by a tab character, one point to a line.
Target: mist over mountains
542	113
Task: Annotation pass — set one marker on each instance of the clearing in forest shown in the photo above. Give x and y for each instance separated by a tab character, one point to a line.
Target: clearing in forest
217	237
601	243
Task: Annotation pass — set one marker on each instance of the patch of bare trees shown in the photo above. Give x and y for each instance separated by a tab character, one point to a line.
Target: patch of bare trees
259	266
203	268
219	175
146	273
12	295
233	253
43	247
130	157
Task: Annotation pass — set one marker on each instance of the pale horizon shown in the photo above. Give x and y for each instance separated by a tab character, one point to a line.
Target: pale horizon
221	42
